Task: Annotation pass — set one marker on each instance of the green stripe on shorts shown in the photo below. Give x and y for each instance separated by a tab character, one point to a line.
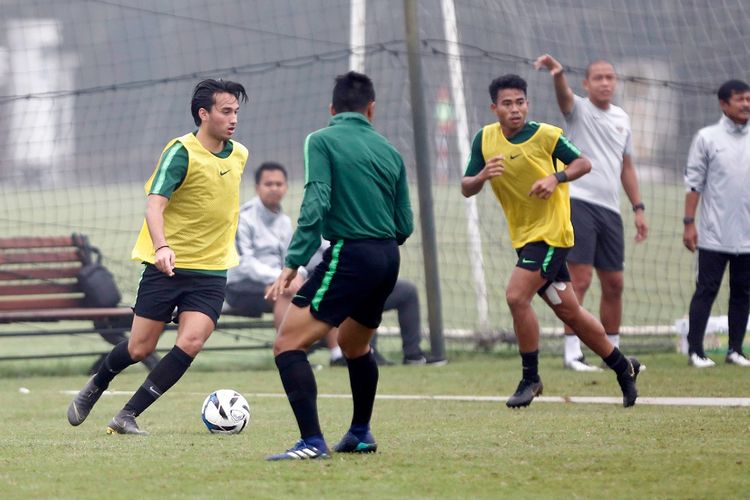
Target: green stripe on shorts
325	285
548	258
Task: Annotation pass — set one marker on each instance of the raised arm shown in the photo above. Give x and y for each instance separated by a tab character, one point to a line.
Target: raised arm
562	90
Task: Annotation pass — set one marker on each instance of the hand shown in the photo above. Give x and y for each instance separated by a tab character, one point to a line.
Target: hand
494	167
544	187
690	237
164	260
281	284
297	282
549	62
641	229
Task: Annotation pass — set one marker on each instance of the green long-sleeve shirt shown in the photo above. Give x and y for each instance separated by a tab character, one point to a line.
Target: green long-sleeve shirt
355	188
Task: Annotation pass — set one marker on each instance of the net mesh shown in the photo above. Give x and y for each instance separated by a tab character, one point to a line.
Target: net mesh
91	91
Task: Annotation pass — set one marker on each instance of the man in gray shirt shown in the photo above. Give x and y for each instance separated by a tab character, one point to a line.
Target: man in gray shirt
263	235
602	132
717	176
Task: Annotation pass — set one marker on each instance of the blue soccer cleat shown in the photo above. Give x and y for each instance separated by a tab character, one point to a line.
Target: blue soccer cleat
301	451
351	444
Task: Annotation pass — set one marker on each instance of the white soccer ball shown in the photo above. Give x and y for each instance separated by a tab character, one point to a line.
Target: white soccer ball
225	412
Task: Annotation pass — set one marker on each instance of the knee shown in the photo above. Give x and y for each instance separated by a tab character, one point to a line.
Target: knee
191	345
516	300
613	288
139	352
567	312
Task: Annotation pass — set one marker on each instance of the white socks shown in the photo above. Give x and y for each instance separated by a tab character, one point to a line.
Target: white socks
614	339
336	353
572	348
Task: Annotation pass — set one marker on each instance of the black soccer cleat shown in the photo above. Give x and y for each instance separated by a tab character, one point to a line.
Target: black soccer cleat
351	444
301	451
124	423
525	394
81	405
627	382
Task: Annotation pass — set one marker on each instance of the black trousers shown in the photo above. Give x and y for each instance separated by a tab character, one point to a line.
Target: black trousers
711	267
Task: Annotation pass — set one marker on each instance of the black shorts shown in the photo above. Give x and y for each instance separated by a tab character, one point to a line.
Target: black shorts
599	234
159	294
352	281
548	260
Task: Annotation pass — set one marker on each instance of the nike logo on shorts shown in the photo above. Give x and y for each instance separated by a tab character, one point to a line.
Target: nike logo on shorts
528	261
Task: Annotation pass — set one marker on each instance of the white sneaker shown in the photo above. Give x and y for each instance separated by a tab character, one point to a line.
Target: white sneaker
699	362
580	365
735	358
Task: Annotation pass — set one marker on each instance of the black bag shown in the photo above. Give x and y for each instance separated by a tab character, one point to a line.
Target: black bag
96	282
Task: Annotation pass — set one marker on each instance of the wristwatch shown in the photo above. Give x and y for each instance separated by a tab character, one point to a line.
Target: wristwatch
639	206
688	220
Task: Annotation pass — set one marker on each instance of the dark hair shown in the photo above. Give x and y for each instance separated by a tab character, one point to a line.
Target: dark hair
597	61
728	89
203	95
269	166
509	81
352	92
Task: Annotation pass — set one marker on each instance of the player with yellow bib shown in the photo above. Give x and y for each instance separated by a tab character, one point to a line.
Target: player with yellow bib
525	163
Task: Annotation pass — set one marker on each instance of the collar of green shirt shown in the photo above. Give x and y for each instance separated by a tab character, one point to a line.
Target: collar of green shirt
349	116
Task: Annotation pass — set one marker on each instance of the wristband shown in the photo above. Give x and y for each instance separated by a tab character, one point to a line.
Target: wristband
639	206
163	246
688	220
561	176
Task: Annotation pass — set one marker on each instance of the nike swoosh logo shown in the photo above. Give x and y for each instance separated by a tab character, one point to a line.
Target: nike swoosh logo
528	261
514	157
300	296
154	390
224	172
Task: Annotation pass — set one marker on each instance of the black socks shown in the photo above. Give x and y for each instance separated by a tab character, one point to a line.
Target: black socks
162	378
299	383
617	361
363	379
116	361
530	363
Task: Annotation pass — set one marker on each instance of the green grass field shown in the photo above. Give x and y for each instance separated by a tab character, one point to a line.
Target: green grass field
428	448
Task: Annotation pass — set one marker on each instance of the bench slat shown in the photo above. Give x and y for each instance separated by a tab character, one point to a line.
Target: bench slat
41	273
39	257
39	289
36	242
64	314
26	304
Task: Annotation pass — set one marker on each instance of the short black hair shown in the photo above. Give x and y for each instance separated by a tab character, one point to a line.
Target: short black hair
597	61
352	92
731	87
269	166
203	95
509	81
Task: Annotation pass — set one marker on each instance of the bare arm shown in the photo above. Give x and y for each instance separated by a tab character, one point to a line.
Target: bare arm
629	181
472	185
164	258
690	233
544	187
563	91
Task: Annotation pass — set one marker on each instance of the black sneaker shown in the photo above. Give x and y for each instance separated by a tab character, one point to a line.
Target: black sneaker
81	405
525	394
627	382
124	423
422	360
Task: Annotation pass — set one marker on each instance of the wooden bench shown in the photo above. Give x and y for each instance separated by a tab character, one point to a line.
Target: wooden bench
38	283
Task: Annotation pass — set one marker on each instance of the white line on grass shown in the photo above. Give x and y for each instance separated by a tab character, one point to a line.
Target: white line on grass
652	401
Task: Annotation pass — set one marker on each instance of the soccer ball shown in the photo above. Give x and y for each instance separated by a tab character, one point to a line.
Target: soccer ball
225	412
